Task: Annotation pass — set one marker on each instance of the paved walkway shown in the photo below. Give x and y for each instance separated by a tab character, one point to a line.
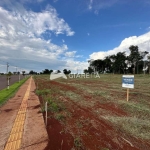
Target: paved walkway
21	123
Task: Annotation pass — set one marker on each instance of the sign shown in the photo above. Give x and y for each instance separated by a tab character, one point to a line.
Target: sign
128	81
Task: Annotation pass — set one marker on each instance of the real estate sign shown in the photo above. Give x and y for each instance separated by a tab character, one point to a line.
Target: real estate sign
128	81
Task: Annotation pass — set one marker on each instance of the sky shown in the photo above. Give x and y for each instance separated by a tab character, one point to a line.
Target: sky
65	34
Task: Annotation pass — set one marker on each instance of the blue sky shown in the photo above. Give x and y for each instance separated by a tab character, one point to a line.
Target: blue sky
59	34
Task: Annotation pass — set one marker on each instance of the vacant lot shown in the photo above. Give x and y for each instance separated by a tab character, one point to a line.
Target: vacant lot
93	113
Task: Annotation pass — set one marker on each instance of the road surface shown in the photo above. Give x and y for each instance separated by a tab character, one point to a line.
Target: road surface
3	80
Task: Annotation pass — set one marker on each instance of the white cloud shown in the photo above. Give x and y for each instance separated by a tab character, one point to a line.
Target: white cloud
63	40
143	42
88	34
70	54
22	43
97	5
90	4
76	66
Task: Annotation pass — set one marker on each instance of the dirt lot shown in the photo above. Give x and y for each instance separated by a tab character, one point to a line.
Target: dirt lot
3	80
93	114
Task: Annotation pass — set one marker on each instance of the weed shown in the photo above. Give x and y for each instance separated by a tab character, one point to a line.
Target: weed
43	92
53	107
60	117
79	124
77	143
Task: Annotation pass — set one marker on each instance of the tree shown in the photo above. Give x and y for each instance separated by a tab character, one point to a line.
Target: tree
148	57
51	71
23	72
97	65
65	71
135	57
32	72
58	71
90	70
116	63
46	71
85	71
107	63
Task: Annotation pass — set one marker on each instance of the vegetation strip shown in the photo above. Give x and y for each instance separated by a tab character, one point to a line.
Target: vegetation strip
14	140
5	94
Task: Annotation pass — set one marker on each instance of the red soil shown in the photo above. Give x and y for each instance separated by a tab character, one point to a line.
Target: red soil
95	132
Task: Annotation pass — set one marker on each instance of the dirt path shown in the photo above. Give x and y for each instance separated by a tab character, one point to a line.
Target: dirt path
34	135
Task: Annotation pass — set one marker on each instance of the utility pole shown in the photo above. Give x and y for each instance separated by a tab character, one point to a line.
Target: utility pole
144	67
16	69
19	76
7	76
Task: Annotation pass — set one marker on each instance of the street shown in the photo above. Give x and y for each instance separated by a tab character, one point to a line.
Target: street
3	80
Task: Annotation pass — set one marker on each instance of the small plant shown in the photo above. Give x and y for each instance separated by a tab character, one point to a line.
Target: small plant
78	143
42	109
60	117
53	107
79	124
42	92
104	148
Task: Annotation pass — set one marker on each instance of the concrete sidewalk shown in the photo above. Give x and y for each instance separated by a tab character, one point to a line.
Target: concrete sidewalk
23	109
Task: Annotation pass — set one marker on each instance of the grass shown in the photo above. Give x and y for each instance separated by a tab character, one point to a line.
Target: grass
5	94
77	143
132	125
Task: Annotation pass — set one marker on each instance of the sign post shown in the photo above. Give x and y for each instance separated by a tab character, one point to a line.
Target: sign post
128	82
127	94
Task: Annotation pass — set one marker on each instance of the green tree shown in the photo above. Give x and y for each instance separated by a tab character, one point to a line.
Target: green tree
85	71
23	72
148	63
65	71
51	71
134	57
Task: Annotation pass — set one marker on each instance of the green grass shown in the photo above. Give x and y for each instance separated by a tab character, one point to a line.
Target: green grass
5	94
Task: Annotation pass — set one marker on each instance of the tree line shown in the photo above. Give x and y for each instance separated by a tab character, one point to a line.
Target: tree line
122	64
47	71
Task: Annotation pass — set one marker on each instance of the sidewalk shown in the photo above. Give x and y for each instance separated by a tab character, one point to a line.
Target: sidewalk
21	123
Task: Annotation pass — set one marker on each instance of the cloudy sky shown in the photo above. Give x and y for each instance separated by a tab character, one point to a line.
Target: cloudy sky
59	34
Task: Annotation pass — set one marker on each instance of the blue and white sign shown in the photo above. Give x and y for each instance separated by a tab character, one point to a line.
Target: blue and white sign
128	81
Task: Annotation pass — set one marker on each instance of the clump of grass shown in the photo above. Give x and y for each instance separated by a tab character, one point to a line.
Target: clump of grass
73	96
77	143
139	110
104	148
136	127
43	92
79	124
100	93
60	117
